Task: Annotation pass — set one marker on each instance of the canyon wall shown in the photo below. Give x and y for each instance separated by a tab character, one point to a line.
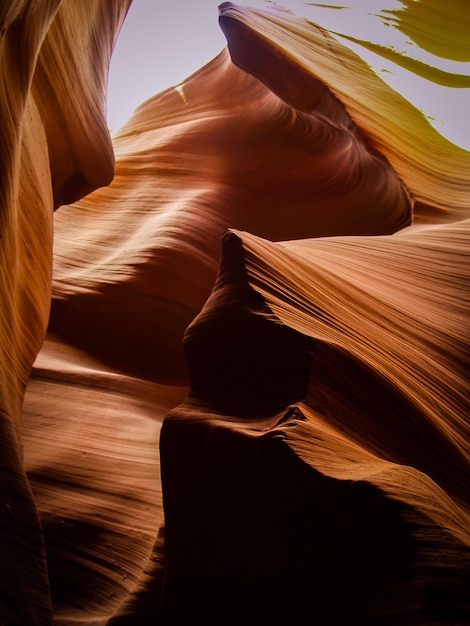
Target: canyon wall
251	404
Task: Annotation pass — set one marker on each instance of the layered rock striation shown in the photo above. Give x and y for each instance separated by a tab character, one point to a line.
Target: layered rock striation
269	298
54	149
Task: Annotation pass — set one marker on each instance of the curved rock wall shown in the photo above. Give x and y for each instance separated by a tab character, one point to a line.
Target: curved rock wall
48	51
276	279
190	163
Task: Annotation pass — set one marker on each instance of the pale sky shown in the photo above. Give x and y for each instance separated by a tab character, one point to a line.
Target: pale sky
162	42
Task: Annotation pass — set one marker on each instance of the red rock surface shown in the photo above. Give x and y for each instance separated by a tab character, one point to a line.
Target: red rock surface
54	148
276	280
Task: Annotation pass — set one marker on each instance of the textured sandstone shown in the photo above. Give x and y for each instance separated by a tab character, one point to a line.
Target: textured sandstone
54	148
276	280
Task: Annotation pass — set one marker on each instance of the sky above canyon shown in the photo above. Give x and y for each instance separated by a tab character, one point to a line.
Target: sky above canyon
162	43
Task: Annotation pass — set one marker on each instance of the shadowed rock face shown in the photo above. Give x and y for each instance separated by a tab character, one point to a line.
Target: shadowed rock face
280	267
376	493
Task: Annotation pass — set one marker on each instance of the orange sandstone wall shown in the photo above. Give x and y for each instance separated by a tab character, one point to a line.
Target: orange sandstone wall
286	239
54	148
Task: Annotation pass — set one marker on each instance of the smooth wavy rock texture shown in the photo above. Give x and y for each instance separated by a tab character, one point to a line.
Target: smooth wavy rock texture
91	456
54	148
252	402
191	162
318	471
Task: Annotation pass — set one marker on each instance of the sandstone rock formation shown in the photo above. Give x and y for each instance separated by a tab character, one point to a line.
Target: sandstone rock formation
331	358
190	163
54	149
278	274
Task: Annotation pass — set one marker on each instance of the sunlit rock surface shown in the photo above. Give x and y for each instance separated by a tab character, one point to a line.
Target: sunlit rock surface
303	231
191	162
54	149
